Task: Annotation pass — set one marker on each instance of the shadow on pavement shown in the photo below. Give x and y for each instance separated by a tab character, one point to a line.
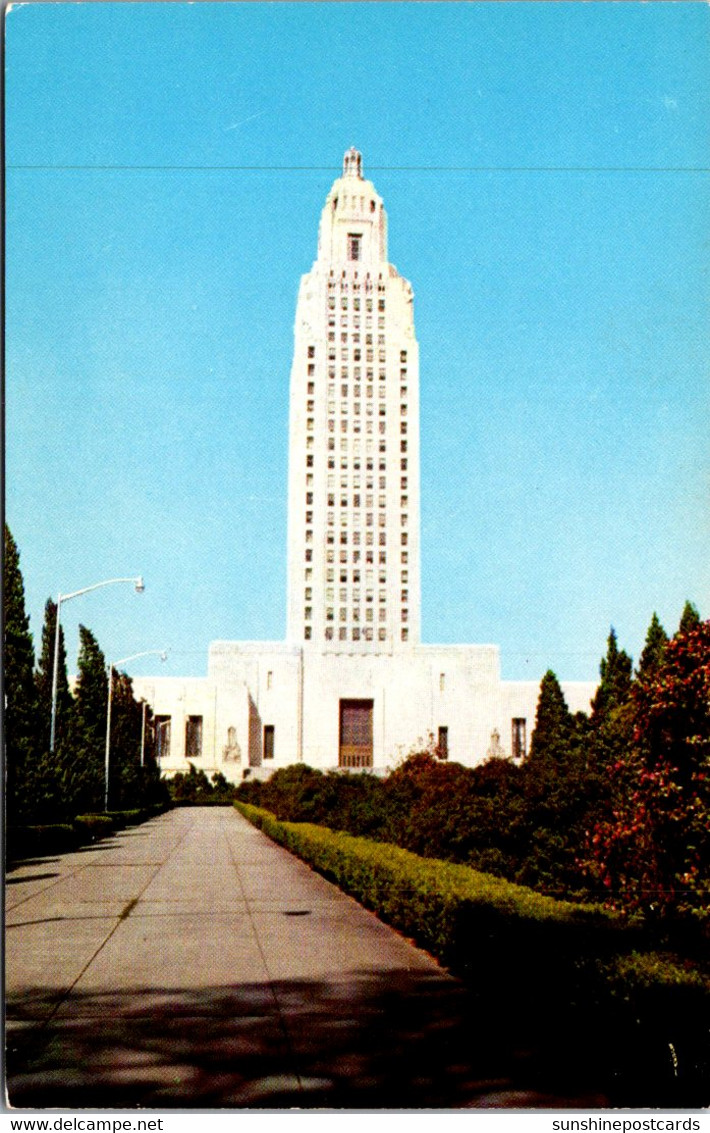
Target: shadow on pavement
30	877
402	1040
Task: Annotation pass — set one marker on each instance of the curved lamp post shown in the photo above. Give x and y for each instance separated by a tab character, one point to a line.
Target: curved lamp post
162	653
140	587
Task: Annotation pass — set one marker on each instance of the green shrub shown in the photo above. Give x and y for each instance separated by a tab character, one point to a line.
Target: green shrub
35	841
193	788
94	826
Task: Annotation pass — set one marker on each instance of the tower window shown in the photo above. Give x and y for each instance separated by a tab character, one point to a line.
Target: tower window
443	744
354	246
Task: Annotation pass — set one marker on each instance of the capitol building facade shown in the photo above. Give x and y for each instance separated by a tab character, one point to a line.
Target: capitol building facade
352	686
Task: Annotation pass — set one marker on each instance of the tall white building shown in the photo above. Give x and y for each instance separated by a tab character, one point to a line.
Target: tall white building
352	686
353	540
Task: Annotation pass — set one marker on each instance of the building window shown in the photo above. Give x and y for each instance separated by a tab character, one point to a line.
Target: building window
268	741
162	737
519	738
354	243
442	678
443	745
269	679
405	635
193	737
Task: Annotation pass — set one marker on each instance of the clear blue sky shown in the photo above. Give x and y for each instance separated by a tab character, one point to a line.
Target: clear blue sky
556	241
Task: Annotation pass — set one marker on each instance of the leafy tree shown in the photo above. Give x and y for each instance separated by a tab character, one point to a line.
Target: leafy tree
689	619
653	851
654	648
20	698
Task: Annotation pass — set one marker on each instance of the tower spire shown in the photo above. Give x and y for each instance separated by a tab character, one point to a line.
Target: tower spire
352	163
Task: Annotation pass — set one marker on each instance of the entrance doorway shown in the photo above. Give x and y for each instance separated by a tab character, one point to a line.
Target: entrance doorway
355	733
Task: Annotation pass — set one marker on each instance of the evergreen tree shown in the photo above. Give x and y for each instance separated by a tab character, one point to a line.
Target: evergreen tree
84	776
654	648
43	680
689	619
553	722
20	700
555	795
125	779
614	683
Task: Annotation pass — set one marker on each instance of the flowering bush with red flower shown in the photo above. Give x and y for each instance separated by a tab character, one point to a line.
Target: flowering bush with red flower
653	851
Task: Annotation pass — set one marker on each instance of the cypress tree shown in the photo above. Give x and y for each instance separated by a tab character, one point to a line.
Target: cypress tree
125	781
554	794
85	776
654	648
614	683
553	721
20	697
43	681
689	619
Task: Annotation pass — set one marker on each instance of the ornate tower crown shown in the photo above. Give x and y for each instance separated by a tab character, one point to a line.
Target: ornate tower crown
352	163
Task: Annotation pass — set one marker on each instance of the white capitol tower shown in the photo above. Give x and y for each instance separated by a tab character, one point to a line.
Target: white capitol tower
353	536
352	686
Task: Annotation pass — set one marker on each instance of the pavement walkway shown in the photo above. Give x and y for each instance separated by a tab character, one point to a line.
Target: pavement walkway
191	962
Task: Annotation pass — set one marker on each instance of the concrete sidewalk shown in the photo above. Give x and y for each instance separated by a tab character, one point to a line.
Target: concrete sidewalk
190	962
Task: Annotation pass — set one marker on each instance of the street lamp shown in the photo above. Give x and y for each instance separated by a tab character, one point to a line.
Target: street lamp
162	653
140	587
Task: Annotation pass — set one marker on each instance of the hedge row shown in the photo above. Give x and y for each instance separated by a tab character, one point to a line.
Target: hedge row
554	967
34	841
436	903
